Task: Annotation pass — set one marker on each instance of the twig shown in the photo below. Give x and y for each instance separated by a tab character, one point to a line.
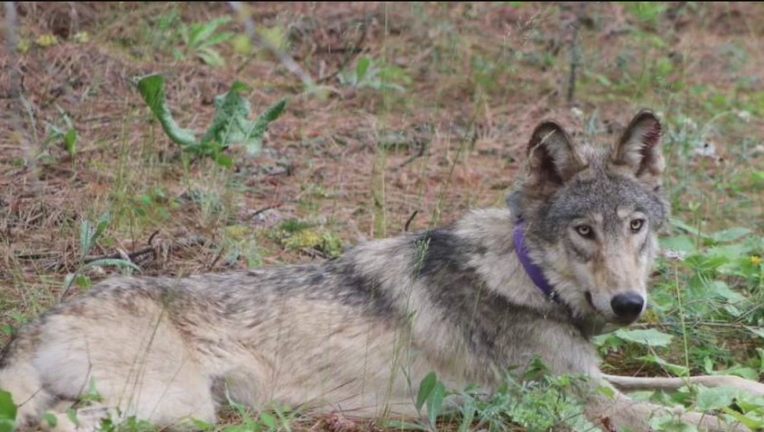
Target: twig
420	153
351	53
575	52
11	41
265	209
151	238
215	261
410	219
283	57
130	257
314	253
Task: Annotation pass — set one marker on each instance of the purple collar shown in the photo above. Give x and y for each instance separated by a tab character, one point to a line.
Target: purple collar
534	271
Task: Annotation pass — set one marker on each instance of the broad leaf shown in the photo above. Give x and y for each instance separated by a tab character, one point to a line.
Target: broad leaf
201	33
730	235
435	402
716	397
70	142
232	124
362	68
680	243
758	331
255	144
8	412
425	389
152	89
649	337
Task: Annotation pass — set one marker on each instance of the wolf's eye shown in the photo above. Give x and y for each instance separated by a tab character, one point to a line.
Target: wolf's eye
637	224
585	231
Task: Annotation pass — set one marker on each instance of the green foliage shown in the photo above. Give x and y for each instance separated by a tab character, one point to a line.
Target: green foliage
197	40
647	13
369	73
648	337
153	91
431	392
65	135
297	235
540	402
131	424
275	419
89	236
547	403
200	40
8	412
154	205
230	126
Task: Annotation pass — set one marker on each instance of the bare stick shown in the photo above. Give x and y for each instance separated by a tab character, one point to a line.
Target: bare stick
674	383
11	41
575	52
283	57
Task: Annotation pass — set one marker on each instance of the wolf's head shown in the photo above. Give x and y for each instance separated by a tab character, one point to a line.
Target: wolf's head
592	216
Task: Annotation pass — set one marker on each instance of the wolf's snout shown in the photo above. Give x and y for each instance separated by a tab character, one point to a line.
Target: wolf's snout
627	307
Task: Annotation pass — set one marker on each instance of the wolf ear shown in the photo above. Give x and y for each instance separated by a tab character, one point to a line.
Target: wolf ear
640	148
552	156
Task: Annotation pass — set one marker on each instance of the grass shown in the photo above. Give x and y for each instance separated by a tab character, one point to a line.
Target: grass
427	116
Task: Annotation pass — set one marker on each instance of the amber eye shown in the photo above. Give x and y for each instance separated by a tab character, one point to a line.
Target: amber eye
637	224
585	231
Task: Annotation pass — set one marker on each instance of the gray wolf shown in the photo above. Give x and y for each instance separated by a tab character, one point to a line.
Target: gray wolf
567	259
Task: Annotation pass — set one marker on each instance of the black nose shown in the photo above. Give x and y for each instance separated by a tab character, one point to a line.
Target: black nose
627	307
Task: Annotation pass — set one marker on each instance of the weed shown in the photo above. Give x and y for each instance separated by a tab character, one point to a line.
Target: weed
376	75
301	236
66	135
8	411
538	402
89	236
230	126
198	40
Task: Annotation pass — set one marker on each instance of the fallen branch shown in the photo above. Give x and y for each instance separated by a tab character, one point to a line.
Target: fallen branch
133	257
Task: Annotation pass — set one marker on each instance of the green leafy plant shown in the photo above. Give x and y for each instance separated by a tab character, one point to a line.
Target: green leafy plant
230	126
199	40
8	412
302	236
542	402
89	236
647	13
539	402
64	134
372	74
432	392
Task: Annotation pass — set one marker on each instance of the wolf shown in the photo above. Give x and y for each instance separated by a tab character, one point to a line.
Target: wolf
568	258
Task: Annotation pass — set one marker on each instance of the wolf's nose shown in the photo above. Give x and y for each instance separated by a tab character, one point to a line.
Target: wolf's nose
627	307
